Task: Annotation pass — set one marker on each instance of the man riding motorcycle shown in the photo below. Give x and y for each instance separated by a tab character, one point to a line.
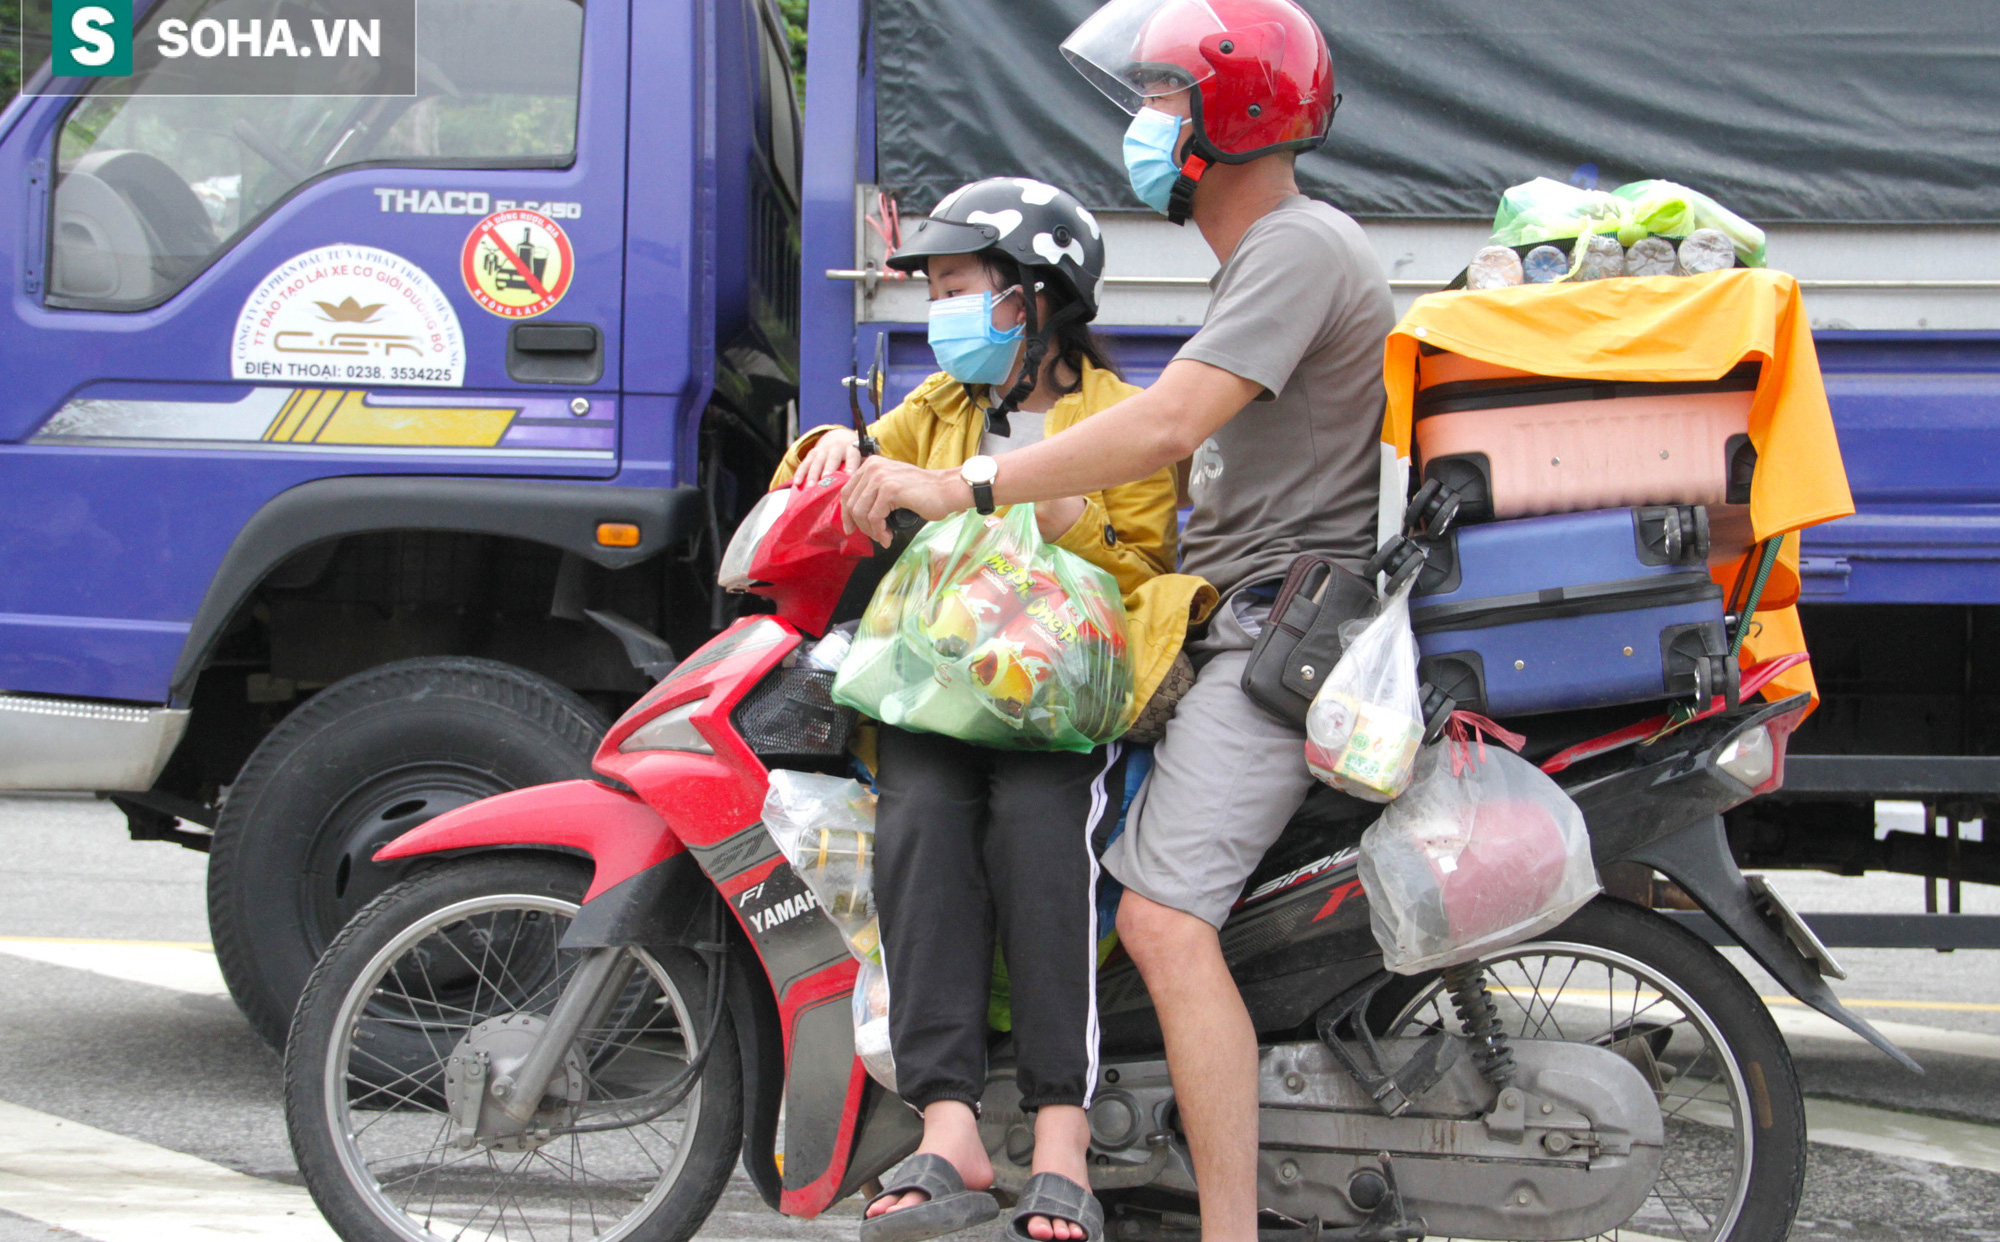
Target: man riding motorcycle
1278	400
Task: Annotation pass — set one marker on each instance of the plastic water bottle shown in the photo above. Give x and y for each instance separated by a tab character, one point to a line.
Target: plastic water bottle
828	652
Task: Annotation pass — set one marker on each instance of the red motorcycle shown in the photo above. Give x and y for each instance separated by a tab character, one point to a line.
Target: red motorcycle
595	994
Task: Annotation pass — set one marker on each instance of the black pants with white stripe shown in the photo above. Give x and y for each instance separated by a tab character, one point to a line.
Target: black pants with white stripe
970	842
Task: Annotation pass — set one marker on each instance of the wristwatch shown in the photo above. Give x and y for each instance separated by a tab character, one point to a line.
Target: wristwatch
978	474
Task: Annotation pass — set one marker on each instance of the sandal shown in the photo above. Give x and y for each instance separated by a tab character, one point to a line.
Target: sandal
1057	1197
950	1208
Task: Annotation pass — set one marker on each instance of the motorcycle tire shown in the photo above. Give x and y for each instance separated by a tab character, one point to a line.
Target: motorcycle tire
359	764
1750	1068
513	907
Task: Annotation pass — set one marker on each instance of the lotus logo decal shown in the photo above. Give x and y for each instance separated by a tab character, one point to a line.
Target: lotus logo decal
348	311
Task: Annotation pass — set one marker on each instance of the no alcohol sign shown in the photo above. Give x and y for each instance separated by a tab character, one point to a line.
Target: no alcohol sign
517	263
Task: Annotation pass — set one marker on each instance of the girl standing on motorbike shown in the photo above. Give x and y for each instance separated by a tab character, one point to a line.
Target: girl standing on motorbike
971	840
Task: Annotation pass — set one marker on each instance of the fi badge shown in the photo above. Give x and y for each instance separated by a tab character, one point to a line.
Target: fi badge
517	263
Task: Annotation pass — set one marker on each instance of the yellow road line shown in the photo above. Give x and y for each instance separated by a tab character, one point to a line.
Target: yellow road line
202	945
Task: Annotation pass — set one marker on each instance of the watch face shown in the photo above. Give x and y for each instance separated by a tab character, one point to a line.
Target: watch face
979	469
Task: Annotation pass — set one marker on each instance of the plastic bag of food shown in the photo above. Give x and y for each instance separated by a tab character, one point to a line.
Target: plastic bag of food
1482	851
1667	209
982	632
825	828
871	1024
1366	721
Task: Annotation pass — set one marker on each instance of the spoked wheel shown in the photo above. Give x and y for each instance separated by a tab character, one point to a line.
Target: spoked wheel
459	967
1626	979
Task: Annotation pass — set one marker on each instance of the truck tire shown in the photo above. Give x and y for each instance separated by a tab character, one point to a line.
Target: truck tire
359	764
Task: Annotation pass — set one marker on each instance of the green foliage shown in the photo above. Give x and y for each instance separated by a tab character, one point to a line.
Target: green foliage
795	34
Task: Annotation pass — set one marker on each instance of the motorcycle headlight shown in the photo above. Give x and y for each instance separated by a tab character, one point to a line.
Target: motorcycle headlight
1749	757
734	575
672	729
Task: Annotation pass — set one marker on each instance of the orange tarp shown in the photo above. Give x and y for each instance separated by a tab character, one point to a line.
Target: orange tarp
1666	329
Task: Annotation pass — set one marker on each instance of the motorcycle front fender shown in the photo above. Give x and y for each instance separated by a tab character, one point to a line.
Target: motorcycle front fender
1697	858
617	831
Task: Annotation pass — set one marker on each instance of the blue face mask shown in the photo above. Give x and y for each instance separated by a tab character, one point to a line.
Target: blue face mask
1149	156
969	348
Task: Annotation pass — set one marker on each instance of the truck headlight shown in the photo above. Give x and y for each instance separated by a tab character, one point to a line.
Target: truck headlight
1749	757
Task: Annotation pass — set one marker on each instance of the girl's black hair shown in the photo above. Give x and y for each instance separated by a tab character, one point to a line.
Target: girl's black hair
1074	342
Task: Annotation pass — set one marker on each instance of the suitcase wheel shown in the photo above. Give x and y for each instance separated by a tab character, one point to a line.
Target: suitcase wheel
1432	510
1437	708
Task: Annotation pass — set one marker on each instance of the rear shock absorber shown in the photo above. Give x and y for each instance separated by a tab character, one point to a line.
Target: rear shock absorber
1480	1020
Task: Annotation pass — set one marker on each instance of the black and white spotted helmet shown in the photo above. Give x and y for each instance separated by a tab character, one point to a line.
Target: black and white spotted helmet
1029	221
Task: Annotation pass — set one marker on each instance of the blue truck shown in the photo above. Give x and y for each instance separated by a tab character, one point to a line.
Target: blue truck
361	456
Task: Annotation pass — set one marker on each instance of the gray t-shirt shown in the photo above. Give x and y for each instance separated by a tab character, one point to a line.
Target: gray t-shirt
1302	308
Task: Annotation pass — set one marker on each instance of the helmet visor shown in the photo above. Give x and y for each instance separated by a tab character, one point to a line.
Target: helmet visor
1138	50
932	235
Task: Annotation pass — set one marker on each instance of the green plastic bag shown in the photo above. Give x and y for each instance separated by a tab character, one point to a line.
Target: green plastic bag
982	632
1664	209
1544	210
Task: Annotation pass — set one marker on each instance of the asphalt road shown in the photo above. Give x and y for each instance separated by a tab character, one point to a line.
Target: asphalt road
119	1061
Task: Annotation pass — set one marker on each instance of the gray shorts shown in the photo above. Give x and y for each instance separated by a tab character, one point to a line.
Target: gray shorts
1226	779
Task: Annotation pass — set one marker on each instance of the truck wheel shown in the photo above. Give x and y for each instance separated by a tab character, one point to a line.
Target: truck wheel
362	762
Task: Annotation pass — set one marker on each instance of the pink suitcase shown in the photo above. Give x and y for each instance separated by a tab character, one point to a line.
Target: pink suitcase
1513	445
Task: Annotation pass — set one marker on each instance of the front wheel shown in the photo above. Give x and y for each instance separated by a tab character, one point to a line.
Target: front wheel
1624	978
461	964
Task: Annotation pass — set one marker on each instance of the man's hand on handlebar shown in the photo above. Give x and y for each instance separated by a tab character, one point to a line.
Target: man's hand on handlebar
880	485
836	449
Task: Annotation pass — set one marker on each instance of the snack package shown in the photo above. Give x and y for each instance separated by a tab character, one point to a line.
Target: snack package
1481	852
825	828
982	632
871	1023
1367	720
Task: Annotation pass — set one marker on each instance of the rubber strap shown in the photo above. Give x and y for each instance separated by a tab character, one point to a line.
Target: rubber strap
1764	567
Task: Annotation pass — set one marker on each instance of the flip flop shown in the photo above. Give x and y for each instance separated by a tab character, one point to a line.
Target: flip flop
1053	1195
950	1208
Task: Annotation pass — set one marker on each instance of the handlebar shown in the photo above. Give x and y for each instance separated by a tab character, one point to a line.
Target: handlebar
903	521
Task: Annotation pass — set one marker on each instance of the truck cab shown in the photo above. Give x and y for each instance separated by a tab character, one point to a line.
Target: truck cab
364	453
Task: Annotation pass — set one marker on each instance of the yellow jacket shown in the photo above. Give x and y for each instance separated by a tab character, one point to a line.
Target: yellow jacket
1667	328
1128	530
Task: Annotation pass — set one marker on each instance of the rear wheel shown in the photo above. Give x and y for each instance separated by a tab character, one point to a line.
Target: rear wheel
1621	977
364	761
461	960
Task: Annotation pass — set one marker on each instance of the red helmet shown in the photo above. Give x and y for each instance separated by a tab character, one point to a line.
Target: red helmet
1258	73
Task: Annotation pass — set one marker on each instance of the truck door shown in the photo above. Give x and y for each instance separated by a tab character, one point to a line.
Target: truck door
223	297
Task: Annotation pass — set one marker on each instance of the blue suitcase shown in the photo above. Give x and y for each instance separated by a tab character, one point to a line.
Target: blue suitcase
1572	611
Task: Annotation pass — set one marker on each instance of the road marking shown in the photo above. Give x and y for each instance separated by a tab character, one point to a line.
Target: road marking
183	966
1910	1037
1796	1021
1909	1135
1879	1131
116	1189
1937	1006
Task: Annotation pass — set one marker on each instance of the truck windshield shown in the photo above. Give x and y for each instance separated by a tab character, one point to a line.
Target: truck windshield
153	187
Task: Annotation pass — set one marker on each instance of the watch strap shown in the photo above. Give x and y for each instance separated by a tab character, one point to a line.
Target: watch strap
982	497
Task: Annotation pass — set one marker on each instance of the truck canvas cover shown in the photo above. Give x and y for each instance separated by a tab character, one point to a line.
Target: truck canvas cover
1845	111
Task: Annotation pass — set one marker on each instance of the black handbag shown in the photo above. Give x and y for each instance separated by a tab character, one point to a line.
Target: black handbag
1300	642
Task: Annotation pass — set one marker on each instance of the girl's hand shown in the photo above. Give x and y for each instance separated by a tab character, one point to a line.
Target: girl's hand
1053	517
836	449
